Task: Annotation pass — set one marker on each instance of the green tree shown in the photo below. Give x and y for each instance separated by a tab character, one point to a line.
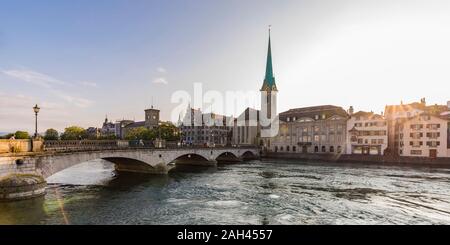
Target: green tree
168	132
136	133
6	136
74	133
22	135
51	134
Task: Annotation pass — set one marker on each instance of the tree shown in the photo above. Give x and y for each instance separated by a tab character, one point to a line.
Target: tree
7	136
168	132
22	135
137	133
74	133
51	134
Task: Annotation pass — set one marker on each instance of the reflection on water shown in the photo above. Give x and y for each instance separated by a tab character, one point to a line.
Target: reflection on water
269	192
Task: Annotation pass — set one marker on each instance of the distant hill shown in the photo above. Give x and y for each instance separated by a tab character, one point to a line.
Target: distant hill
3	133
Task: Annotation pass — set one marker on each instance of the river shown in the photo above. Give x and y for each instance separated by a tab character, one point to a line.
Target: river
255	192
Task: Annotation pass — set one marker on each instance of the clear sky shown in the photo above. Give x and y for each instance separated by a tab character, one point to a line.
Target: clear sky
81	60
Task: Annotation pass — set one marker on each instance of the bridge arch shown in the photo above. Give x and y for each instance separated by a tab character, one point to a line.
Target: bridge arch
228	156
158	161
248	155
192	159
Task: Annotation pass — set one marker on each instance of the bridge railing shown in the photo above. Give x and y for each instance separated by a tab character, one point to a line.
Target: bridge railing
96	145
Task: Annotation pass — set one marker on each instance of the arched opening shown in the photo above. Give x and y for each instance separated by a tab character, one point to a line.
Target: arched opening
228	157
122	164
248	155
192	159
304	149
324	149
96	166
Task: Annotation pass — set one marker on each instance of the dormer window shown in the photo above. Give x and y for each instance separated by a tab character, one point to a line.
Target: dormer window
294	119
288	119
316	117
323	116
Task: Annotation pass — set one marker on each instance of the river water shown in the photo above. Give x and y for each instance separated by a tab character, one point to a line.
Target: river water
255	192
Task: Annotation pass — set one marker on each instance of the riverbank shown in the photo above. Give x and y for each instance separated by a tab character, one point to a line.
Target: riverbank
366	159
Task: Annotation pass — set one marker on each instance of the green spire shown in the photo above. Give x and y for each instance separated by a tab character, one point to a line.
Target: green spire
269	80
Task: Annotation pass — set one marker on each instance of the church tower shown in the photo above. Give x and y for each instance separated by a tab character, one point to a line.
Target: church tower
268	118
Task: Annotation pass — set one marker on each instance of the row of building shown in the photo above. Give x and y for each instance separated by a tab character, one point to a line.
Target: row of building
120	128
414	129
404	130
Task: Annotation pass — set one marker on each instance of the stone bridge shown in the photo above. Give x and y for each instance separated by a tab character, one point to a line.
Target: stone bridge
147	160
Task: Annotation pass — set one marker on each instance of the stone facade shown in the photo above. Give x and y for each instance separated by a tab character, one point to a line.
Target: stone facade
247	128
424	135
366	134
207	129
318	129
19	145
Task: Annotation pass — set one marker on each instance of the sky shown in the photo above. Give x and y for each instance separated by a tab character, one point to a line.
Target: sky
82	60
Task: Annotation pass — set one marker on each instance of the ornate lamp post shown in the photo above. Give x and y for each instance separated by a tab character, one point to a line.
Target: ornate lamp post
36	111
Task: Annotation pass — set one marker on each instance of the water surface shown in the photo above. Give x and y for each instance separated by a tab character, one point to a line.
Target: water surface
256	192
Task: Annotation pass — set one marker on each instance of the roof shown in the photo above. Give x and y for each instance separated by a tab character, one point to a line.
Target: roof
312	111
432	109
269	79
135	125
369	115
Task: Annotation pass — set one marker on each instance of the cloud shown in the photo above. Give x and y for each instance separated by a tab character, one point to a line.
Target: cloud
77	101
161	70
36	78
89	84
49	83
160	80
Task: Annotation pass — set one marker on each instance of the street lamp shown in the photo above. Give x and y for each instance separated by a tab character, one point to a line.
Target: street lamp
36	111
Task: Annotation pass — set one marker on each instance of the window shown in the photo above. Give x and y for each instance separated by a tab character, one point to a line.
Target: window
373	141
331	148
380	141
288	119
324	149
316	149
360	141
416	152
316	117
323	116
434	135
433	143
281	148
294	148
316	138
287	148
433	126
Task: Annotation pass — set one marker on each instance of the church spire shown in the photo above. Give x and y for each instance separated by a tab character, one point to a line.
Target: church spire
269	79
